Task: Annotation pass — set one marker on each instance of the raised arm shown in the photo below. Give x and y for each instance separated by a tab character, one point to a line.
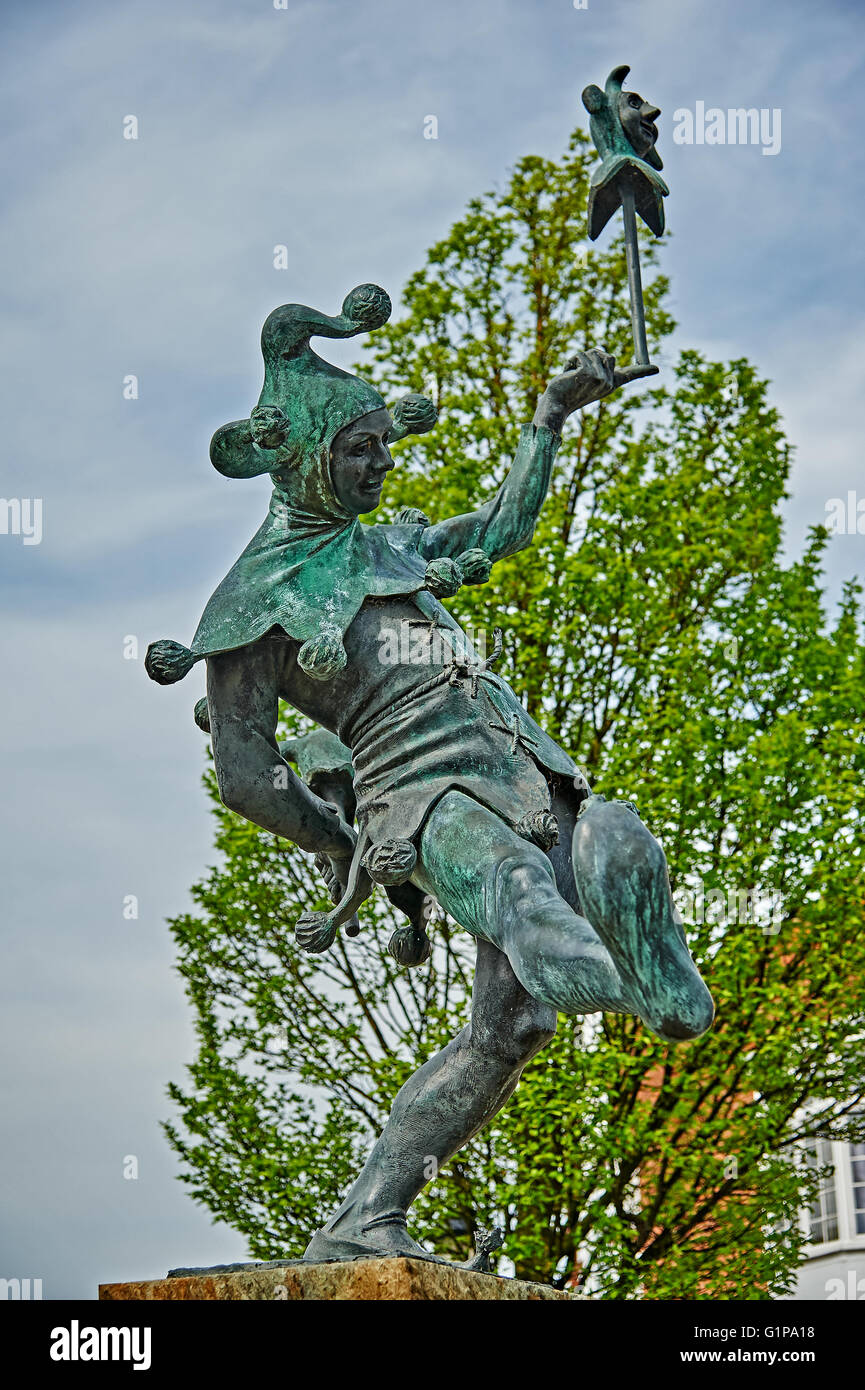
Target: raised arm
506	523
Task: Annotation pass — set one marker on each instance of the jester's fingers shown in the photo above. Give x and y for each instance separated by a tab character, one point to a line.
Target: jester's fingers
623	375
332	883
594	365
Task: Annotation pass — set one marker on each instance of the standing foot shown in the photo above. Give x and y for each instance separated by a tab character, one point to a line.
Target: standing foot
387	1236
348	1237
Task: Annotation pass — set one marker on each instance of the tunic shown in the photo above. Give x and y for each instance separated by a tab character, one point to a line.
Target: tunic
429	721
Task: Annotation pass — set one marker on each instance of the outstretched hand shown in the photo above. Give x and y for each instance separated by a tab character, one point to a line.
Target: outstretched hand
587	377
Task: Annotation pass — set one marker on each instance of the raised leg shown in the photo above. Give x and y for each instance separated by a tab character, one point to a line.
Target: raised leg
628	954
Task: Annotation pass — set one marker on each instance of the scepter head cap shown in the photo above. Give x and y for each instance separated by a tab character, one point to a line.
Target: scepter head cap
622	126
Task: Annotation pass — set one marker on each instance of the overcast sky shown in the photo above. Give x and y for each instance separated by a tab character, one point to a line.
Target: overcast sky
154	257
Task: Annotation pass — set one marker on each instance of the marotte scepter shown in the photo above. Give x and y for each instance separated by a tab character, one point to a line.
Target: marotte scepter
622	126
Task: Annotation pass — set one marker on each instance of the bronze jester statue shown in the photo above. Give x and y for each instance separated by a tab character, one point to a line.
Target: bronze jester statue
458	793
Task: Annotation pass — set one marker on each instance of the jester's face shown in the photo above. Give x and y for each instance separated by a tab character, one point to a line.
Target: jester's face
637	119
360	461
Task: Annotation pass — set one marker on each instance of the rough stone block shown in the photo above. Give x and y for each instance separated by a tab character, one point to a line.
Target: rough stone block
369	1280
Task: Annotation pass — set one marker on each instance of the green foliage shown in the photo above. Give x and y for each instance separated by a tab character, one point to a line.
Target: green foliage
655	631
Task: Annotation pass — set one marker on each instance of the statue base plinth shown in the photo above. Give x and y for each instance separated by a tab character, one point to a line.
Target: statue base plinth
377	1280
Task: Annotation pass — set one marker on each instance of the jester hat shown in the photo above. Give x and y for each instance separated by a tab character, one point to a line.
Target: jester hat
312	563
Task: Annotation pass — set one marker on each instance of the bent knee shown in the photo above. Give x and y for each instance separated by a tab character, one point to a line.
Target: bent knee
609	834
516	1038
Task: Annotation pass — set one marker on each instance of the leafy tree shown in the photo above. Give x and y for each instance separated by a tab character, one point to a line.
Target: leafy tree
653	629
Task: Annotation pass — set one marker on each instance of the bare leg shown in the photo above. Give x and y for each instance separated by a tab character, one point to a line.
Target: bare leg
455	1094
479	870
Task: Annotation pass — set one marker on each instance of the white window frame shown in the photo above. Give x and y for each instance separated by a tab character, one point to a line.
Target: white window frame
842	1178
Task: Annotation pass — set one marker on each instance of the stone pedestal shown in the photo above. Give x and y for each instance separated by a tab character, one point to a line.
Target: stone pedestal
368	1280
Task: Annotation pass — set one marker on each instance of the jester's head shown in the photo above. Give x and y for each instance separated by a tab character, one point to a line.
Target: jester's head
332	428
622	122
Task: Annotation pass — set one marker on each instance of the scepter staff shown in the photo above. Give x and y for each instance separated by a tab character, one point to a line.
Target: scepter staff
623	129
